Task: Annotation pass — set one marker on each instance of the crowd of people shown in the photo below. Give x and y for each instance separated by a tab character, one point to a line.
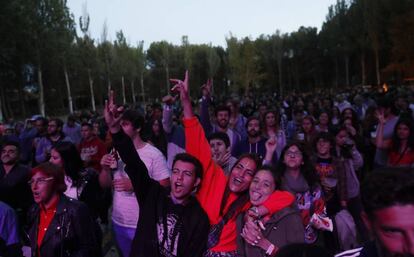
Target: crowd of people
251	175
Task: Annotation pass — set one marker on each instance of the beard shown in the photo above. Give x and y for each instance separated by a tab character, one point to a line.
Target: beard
223	123
253	133
9	161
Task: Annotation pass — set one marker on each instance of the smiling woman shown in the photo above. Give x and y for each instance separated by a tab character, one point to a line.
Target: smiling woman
272	231
222	197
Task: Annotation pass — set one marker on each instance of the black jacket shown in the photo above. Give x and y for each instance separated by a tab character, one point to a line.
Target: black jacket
70	234
188	223
89	191
14	189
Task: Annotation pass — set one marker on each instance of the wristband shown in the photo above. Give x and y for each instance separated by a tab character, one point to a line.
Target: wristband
270	249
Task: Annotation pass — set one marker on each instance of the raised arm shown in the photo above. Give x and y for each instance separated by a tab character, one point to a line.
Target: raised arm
271	145
357	160
135	167
380	142
167	113
204	112
42	150
195	139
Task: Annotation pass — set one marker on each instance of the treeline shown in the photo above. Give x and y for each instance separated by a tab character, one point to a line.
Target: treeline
47	67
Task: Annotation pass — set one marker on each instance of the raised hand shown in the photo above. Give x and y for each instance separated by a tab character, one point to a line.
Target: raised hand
206	88
379	114
112	114
182	88
224	159
271	144
169	99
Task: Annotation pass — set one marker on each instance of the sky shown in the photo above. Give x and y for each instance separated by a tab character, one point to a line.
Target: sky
202	21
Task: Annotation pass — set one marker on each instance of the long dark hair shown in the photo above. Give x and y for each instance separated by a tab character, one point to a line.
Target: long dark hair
277	119
306	169
396	142
243	198
160	140
344	151
72	162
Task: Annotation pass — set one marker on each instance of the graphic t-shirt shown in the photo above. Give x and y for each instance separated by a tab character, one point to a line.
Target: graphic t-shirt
326	173
168	231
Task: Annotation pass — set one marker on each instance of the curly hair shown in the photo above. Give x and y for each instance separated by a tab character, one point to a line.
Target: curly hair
396	188
306	168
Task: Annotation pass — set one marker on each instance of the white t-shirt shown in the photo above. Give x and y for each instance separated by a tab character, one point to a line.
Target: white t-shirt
125	209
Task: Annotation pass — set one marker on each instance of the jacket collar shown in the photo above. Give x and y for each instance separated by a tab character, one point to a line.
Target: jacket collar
58	220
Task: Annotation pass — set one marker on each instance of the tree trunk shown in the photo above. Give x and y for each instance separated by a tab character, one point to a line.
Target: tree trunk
133	92
279	68
70	100
21	94
142	87
336	73
109	85
363	74
1	103
347	70
41	101
167	75
123	90
91	90
377	70
297	76
289	73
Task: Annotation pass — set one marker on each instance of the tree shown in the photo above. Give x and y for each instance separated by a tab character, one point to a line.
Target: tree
105	53
159	57
87	53
242	61
374	22
278	49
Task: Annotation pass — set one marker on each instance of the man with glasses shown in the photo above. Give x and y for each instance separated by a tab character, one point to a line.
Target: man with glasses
14	190
58	226
46	143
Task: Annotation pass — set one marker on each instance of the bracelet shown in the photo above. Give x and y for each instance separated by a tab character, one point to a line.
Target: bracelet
270	249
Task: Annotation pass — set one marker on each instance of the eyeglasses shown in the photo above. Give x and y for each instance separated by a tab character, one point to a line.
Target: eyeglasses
293	154
39	181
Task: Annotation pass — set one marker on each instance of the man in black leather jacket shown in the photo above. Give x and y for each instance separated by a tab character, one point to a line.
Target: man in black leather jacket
58	226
